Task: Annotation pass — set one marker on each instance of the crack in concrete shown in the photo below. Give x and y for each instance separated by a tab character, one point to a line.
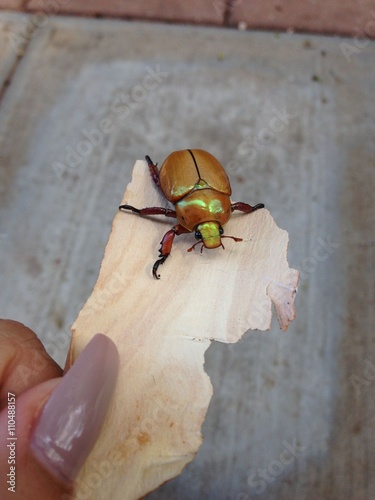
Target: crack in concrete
20	55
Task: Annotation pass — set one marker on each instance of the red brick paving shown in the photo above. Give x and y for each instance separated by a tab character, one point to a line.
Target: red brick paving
11	4
342	17
192	11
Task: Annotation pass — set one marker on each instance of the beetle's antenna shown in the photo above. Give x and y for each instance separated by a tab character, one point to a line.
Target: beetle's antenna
195	244
232	237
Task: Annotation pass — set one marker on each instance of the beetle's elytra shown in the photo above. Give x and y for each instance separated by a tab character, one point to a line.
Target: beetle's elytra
199	188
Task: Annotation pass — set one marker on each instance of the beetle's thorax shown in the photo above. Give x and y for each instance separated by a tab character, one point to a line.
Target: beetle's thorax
203	205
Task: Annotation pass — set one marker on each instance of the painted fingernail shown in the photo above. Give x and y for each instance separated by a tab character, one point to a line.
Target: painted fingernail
70	422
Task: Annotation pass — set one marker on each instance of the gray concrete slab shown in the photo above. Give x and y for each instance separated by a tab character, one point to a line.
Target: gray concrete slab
292	118
11	43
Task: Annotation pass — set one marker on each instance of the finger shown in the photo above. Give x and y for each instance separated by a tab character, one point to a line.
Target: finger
24	363
25	477
71	420
58	422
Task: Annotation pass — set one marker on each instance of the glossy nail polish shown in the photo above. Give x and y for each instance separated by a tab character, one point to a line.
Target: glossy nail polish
70	421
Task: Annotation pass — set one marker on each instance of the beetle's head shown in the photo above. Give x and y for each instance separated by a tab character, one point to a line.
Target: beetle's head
209	233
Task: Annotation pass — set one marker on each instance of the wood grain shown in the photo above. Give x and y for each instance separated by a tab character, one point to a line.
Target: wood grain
163	327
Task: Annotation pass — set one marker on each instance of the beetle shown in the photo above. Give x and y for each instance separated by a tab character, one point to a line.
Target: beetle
199	188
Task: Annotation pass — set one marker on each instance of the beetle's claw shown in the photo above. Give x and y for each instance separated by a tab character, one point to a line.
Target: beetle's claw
150	162
129	207
158	263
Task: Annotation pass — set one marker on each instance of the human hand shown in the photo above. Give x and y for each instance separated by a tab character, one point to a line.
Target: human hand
57	419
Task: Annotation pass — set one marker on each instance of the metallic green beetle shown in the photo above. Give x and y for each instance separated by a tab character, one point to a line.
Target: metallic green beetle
199	188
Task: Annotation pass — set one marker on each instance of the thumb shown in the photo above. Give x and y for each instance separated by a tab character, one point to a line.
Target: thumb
71	420
23	477
47	428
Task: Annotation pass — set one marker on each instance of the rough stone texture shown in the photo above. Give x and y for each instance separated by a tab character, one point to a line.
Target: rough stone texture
292	118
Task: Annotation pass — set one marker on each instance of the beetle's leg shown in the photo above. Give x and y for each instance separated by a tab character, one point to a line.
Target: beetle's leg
154	172
166	246
150	210
245	207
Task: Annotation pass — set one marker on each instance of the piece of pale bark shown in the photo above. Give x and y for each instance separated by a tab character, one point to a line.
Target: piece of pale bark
162	329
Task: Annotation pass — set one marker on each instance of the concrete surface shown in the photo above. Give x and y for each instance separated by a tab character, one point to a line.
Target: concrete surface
292	118
8	56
